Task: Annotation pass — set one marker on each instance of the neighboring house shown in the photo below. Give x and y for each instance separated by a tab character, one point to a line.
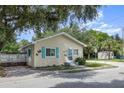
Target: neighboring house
53	50
105	55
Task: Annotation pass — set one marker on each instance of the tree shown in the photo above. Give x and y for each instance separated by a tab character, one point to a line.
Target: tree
14	46
112	44
19	18
23	42
11	48
116	37
94	41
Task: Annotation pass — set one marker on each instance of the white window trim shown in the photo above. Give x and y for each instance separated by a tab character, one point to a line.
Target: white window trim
74	53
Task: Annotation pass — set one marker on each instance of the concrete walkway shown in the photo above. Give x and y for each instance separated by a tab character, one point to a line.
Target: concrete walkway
25	77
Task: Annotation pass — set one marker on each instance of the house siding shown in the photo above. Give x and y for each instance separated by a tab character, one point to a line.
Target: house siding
63	43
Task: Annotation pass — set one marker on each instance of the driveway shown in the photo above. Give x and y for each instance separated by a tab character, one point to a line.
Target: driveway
26	77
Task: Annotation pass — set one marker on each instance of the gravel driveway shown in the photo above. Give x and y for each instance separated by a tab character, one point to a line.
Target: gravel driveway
25	77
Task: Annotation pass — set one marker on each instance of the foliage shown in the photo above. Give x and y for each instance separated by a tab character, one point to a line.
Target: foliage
80	61
13	47
47	20
23	42
102	42
18	18
74	31
43	35
118	60
6	36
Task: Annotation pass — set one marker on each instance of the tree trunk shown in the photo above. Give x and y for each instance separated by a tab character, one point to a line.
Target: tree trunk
1	45
109	55
89	56
109	52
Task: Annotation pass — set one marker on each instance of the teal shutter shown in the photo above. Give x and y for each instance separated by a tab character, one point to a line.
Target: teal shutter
57	52
43	52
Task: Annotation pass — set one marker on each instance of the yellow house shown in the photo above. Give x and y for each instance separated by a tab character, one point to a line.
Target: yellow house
53	50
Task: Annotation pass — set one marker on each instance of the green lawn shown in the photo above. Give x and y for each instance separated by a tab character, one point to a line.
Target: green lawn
55	68
93	64
113	60
118	60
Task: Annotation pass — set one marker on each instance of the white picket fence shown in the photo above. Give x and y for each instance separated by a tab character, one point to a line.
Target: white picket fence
15	58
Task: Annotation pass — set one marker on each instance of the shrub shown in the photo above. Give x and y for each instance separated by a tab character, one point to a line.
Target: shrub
80	61
66	64
54	65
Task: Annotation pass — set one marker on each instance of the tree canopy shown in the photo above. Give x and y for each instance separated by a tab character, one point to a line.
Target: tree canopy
17	18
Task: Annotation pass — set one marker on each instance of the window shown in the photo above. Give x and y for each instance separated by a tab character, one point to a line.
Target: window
50	52
75	51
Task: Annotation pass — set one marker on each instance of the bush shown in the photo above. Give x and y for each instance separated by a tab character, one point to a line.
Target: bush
66	64
80	61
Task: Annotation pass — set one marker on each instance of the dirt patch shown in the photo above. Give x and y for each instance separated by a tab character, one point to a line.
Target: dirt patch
2	72
13	64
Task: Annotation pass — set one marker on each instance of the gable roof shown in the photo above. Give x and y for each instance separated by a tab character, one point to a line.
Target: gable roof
62	33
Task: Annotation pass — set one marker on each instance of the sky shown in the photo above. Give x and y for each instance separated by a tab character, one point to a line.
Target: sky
110	20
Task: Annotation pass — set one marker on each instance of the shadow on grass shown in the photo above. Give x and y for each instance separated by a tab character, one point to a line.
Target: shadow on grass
112	84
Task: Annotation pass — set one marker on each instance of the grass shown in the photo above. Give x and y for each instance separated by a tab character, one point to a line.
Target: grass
98	65
93	64
55	68
68	69
118	60
113	60
2	72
